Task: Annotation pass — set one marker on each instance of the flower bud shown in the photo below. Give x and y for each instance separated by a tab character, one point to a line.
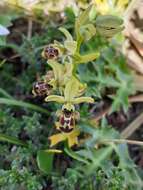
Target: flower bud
50	52
108	25
41	88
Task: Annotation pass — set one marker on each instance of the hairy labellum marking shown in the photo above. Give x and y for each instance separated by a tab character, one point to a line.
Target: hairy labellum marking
62	121
66	123
66	129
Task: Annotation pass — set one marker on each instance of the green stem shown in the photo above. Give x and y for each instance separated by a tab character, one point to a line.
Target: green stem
75	69
79	42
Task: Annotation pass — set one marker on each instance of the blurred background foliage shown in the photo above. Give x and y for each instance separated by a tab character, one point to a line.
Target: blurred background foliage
99	163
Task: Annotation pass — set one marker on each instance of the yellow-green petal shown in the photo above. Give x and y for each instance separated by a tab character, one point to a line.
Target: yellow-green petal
82	100
55	98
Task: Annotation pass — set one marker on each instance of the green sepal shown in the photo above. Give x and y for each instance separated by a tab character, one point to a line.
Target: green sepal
55	98
82	100
66	33
108	25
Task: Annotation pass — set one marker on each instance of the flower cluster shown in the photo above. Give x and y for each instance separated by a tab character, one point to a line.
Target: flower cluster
65	82
61	84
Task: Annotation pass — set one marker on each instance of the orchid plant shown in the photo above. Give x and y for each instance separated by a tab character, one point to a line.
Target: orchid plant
68	82
64	86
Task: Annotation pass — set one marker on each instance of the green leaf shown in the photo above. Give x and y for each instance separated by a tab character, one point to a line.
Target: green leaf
98	135
5	20
98	157
22	104
2	62
2	40
12	140
74	155
122	152
85	153
131	177
121	99
4	93
45	161
70	14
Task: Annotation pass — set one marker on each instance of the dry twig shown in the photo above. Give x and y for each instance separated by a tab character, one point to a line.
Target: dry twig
132	127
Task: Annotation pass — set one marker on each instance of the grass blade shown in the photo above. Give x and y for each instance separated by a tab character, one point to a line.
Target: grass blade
20	103
12	140
4	93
